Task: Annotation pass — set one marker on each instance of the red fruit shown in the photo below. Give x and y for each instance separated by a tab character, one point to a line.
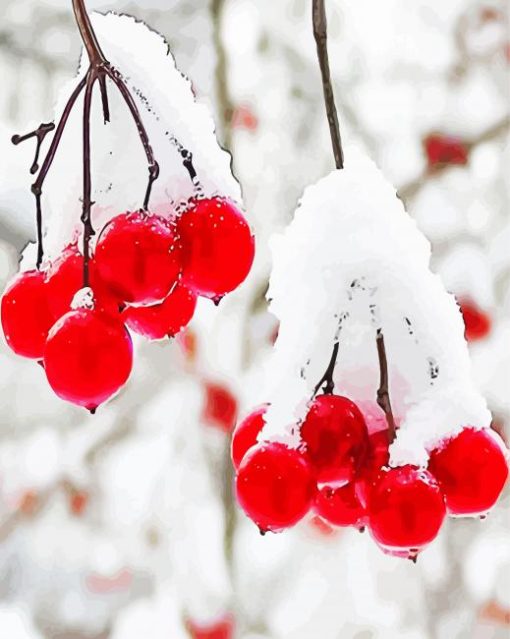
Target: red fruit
405	509
477	323
471	469
88	357
220	407
65	278
244	118
377	458
275	486
78	501
340	506
138	255
165	319
218	247
245	434
445	149
26	318
336	438
222	629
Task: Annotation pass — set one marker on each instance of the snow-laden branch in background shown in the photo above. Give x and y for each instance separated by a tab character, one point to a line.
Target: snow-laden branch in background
351	262
172	118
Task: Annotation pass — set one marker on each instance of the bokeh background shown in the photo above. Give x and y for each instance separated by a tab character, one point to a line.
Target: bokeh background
122	525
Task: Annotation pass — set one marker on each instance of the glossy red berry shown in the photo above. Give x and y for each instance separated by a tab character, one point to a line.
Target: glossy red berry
138	255
220	408
471	469
245	434
340	506
164	319
405	509
88	357
218	247
275	486
65	278
477	323
377	458
445	149
335	437
26	317
221	629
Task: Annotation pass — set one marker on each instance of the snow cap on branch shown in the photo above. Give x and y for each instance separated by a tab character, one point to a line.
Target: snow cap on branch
174	122
353	261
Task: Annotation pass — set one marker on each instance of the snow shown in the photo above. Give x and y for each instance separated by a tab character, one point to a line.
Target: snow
353	261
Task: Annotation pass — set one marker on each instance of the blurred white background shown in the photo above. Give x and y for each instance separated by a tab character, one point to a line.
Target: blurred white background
122	525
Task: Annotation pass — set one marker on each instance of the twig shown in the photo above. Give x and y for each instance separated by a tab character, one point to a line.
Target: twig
320	32
327	378
409	190
226	108
383	395
88	230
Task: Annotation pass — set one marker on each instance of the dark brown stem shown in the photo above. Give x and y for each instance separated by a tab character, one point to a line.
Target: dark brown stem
383	394
96	56
327	379
320	32
116	78
40	134
88	230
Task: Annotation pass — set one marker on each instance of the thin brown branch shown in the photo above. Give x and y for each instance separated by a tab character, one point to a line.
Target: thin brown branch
383	394
320	32
412	188
96	56
226	108
326	380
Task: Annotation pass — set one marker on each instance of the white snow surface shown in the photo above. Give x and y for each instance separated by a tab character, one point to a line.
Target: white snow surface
168	110
352	261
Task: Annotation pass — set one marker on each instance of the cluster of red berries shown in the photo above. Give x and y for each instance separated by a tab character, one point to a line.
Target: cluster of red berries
341	473
146	274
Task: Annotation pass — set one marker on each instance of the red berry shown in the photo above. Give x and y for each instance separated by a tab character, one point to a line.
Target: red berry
471	469
88	357
377	458
221	629
65	278
275	486
78	501
336	438
477	323
164	319
445	149
26	317
218	247
340	506
245	434
405	509
220	408
139	256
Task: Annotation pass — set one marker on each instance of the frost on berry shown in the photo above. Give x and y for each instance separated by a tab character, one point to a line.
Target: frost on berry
352	261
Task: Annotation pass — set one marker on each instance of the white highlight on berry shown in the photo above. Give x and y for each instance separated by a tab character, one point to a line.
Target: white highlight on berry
352	261
84	298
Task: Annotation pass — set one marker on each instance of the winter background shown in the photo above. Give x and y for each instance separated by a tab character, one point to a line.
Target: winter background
122	525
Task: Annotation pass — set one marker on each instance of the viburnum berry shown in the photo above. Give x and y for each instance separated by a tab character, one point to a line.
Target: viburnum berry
245	434
471	469
221	629
275	486
220	408
477	323
88	357
445	149
340	506
164	319
138	255
377	458
335	437
26	317
218	247
405	509
65	278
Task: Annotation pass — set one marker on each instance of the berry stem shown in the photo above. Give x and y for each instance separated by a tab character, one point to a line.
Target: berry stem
88	230
383	395
327	378
96	56
320	32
